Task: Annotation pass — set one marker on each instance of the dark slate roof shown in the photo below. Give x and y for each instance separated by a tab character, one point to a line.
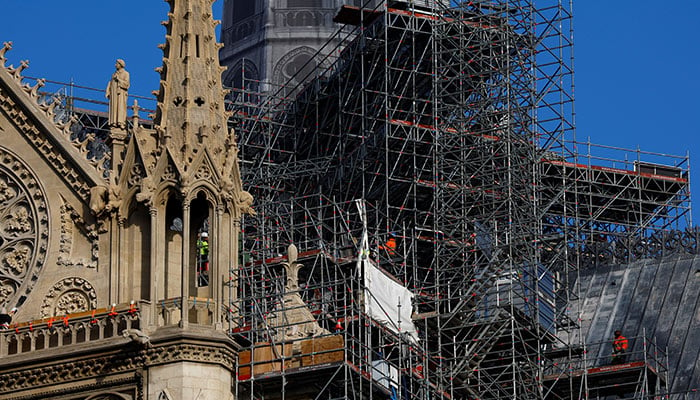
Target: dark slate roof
656	297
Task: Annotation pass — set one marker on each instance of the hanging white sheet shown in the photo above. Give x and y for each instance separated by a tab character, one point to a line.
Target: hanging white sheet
385	300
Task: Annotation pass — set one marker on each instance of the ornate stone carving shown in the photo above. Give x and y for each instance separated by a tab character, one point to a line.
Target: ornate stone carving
298	18
70	219
7	289
245	203
18	259
130	359
295	66
53	155
136	175
5	47
243	29
72	302
191	352
109	396
170	173
6	192
99	197
71	295
19	221
130	385
59	127
24	227
203	172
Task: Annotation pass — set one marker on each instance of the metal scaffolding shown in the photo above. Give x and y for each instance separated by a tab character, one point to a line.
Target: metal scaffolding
454	124
451	123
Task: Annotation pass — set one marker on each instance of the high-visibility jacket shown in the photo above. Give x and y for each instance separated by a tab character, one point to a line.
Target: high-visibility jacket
203	247
389	246
620	344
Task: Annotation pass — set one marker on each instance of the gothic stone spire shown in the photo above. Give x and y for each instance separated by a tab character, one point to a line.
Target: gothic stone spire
190	114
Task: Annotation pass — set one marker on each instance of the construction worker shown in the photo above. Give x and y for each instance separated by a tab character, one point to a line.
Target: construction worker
389	246
203	259
620	345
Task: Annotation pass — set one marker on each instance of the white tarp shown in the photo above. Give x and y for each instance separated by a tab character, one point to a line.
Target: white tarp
385	300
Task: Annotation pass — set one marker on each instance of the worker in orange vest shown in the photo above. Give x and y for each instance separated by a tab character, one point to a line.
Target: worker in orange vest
389	246
620	346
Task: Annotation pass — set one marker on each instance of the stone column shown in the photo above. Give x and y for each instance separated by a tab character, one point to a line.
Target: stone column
116	292
186	267
152	268
217	268
234	228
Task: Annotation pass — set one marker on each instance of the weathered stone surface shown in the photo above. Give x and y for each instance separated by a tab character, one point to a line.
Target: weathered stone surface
81	232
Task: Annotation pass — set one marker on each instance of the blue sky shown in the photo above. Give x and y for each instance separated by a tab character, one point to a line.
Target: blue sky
637	62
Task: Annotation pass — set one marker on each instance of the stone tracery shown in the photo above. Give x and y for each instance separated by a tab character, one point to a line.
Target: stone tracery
71	302
68	296
23	227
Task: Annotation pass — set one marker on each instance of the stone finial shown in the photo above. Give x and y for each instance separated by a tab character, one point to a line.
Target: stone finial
293	319
135	116
6	46
34	91
292	253
50	108
292	268
17	72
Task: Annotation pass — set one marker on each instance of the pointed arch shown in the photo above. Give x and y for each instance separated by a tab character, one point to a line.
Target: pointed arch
135	261
109	396
173	241
201	202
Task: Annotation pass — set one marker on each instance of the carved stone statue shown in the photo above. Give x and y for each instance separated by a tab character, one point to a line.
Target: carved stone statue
103	198
117	93
138	337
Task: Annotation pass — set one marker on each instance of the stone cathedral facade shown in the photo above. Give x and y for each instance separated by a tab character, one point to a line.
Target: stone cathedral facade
103	272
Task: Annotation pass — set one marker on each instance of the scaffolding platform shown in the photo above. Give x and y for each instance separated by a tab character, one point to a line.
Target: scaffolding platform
618	195
266	359
611	380
590	370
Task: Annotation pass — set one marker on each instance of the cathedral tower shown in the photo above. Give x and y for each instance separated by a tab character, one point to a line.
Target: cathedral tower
178	184
133	249
277	41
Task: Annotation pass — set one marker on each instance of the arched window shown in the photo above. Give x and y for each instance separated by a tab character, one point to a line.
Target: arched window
109	396
201	239
137	254
173	247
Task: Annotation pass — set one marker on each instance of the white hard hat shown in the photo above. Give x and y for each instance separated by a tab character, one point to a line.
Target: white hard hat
205	235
